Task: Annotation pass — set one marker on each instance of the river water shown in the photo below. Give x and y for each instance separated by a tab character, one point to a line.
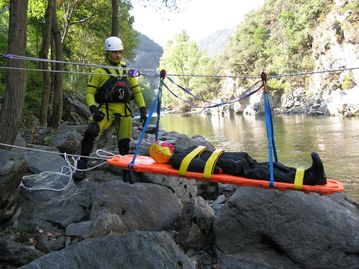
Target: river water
296	136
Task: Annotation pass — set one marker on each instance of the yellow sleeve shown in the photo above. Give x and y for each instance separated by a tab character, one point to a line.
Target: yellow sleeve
135	88
96	81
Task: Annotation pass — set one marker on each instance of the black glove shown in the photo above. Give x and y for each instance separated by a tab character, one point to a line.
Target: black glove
143	117
96	114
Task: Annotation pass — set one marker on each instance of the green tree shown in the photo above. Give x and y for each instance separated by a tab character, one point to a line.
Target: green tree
183	59
276	38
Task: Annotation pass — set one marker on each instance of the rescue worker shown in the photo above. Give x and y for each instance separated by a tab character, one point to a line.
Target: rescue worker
108	99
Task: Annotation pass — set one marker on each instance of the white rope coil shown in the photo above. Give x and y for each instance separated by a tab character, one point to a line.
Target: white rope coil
66	171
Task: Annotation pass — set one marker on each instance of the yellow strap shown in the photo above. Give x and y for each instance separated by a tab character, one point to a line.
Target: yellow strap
189	157
298	180
211	163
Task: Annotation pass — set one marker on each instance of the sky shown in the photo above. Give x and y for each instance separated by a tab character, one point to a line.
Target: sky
198	18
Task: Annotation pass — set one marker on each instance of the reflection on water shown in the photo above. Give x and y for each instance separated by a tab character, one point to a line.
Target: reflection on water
296	136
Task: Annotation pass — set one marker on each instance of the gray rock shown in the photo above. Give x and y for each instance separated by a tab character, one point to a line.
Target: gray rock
46	242
67	139
137	250
106	222
183	188
44	161
271	229
140	206
75	109
196	225
17	254
56	213
82	229
203	215
12	168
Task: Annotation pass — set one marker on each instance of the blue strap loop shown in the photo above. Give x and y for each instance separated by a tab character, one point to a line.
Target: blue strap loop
269	127
244	95
155	103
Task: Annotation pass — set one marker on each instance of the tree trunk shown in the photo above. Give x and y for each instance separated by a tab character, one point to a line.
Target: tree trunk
69	11
58	80
11	110
115	20
46	43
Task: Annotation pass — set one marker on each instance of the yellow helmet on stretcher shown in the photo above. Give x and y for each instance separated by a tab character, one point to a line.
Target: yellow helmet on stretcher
161	152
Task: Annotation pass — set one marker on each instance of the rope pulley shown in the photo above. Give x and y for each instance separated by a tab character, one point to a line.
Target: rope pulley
163	74
264	80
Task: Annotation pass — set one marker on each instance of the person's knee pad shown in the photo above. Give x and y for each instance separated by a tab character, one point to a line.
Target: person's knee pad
92	131
124	146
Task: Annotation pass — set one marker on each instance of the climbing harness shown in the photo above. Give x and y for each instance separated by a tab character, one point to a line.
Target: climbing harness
114	90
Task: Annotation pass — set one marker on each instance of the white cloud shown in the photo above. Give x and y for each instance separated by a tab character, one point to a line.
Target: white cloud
198	18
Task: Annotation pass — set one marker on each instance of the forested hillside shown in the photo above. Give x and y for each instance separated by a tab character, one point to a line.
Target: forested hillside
283	37
147	56
215	43
279	37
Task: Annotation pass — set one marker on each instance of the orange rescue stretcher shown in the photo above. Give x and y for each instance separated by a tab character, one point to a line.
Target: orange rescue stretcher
146	164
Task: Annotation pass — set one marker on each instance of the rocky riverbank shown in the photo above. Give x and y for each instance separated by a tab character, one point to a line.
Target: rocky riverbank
158	221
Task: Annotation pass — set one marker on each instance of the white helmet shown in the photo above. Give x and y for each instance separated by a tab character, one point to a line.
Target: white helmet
113	43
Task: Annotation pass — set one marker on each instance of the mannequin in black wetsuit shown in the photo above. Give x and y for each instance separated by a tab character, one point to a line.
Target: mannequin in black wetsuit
241	164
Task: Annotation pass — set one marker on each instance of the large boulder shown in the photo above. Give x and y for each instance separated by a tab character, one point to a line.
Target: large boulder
136	250
67	139
43	158
16	253
52	211
141	206
271	229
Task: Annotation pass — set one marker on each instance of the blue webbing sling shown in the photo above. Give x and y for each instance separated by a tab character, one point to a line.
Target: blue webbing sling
269	127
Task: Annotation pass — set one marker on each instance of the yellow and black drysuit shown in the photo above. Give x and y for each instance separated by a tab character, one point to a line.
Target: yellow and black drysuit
109	92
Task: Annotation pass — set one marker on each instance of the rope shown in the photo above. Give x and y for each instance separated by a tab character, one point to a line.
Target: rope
314	72
187	91
71	160
244	95
272	76
159	101
70	72
52	152
68	174
212	76
153	73
35	59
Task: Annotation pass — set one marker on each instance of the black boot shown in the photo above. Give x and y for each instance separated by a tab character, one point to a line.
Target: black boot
86	148
123	146
80	175
315	175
